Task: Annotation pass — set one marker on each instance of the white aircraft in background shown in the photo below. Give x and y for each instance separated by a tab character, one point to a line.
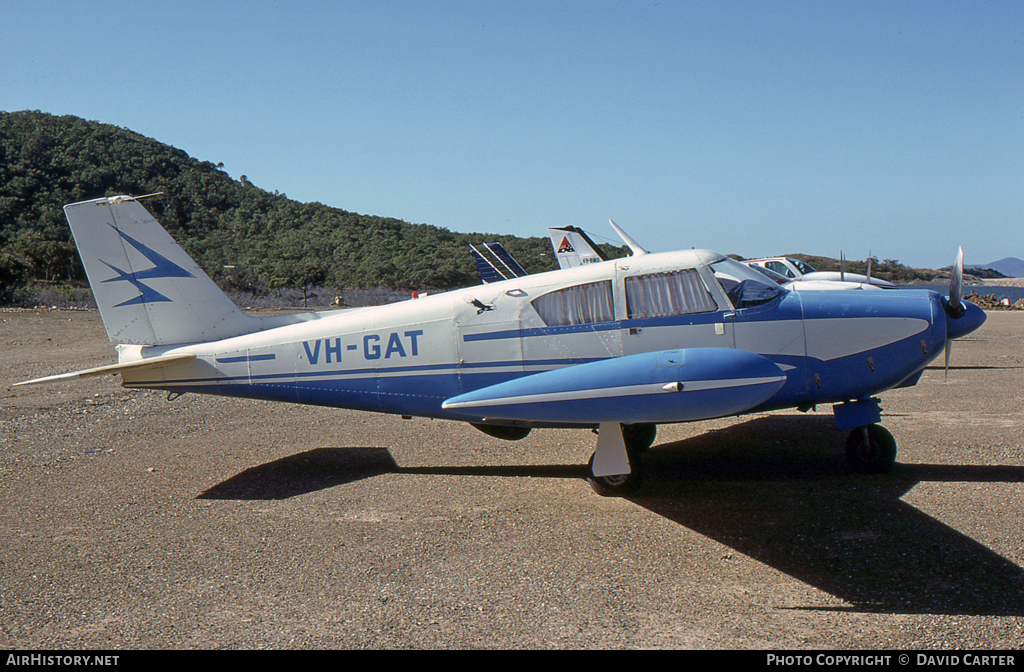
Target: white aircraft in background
573	247
620	346
798	271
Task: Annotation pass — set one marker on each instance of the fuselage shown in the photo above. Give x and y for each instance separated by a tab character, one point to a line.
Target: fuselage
408	358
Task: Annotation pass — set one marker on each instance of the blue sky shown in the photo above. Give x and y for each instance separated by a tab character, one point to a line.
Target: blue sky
754	128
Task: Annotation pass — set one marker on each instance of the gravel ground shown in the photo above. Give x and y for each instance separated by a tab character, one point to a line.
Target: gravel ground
130	521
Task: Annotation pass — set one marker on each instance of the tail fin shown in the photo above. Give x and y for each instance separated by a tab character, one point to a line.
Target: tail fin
635	250
148	290
488	271
573	247
491	272
506	259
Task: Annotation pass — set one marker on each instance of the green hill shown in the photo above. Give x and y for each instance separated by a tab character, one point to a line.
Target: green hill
270	240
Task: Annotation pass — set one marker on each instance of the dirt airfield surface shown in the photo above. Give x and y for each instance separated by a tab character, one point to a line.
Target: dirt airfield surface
130	521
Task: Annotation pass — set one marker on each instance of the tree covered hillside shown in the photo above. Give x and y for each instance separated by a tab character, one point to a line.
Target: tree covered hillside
271	241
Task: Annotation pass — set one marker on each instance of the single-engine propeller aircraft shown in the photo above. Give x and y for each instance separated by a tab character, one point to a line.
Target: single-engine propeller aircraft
621	345
799	271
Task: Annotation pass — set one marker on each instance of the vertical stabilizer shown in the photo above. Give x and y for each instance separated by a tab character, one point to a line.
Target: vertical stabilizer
573	247
148	290
506	259
488	271
635	249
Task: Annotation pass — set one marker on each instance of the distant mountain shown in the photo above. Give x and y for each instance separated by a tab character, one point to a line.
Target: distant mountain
1011	267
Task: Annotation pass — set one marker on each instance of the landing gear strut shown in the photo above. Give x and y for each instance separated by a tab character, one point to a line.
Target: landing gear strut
635	439
870	449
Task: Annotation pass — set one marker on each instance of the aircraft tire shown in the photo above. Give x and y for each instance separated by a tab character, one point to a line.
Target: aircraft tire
870	449
617	486
639	437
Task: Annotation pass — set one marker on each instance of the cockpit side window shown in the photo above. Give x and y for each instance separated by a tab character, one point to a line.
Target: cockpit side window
801	266
664	294
581	304
744	286
779	267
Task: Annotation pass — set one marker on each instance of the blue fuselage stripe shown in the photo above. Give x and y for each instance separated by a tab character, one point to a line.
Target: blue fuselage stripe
245	358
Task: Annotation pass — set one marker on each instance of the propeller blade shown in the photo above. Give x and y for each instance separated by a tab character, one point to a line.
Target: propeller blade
842	267
956	280
869	267
954	305
949	348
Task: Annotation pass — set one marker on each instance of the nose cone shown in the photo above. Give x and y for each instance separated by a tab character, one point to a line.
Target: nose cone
972	318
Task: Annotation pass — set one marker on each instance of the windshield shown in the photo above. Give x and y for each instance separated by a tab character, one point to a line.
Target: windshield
744	286
801	266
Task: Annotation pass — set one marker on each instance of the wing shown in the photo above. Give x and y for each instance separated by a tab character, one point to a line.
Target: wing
665	386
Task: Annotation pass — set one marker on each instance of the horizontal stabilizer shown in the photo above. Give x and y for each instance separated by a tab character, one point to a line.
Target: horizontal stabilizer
665	386
151	363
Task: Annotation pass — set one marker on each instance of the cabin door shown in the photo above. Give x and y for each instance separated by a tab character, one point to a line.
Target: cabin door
489	345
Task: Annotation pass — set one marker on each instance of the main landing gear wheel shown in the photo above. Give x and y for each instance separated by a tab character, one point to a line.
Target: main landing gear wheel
618	485
870	449
639	437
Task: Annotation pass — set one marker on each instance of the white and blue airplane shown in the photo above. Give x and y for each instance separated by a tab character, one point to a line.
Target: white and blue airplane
621	346
798	272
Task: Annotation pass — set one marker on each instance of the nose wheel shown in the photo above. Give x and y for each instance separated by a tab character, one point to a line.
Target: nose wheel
870	449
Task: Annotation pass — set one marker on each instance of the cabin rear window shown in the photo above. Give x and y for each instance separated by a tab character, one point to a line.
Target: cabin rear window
664	294
581	304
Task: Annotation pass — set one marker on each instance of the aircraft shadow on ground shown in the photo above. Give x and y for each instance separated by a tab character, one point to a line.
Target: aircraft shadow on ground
324	468
775	488
306	472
